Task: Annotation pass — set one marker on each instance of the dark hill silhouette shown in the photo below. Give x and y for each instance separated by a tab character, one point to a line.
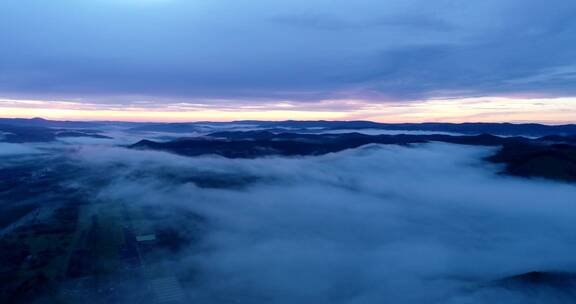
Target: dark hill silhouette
556	161
561	285
521	156
257	144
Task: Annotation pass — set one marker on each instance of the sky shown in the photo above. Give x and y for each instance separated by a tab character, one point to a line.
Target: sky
185	60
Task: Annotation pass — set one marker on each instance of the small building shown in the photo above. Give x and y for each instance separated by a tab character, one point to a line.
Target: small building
146	238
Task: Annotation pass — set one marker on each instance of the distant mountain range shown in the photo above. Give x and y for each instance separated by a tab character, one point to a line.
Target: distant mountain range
465	128
507	129
41	130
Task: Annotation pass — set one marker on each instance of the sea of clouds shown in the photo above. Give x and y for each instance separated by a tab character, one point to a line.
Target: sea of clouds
429	223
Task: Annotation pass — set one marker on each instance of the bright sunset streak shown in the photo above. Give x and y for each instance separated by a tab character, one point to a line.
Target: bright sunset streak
164	116
485	109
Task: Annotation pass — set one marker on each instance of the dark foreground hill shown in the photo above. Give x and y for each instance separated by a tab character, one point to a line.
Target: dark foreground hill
538	283
544	157
258	144
556	161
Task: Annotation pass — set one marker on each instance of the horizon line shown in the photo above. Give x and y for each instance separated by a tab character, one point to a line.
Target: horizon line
293	120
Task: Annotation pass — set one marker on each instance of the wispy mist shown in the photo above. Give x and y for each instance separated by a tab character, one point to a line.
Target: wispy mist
425	224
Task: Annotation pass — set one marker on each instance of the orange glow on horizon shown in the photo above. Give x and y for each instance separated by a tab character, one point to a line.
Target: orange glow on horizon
165	116
485	109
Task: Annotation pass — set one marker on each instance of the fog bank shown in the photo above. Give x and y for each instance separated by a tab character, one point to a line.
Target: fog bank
424	224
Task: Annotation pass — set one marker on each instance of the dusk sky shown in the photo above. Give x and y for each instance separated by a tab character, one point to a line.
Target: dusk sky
381	60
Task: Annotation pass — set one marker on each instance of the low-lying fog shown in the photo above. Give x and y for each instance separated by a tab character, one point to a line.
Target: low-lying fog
379	224
429	223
